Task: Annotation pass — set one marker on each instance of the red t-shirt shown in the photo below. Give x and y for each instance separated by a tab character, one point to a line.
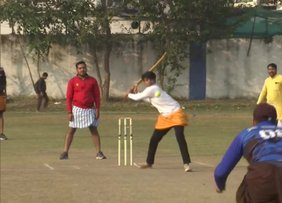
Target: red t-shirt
83	93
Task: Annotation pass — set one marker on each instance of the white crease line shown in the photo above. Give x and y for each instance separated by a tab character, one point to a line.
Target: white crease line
76	167
203	164
48	166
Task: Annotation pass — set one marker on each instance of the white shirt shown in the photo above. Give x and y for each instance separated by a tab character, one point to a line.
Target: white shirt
153	94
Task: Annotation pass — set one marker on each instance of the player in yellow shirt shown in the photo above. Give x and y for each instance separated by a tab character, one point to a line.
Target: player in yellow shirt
272	91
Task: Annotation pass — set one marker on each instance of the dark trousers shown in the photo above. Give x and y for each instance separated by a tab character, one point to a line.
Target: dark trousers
261	184
159	134
42	101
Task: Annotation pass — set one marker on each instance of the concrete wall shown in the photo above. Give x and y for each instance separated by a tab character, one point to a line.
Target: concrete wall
233	74
230	72
127	64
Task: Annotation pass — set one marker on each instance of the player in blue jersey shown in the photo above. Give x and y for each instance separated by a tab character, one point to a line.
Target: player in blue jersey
261	146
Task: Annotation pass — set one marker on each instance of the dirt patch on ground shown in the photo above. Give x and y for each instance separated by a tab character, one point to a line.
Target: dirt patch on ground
83	179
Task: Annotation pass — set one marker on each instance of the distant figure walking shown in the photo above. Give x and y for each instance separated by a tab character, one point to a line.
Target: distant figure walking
40	89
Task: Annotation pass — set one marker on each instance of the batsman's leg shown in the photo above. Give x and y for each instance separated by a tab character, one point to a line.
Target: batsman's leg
154	142
179	133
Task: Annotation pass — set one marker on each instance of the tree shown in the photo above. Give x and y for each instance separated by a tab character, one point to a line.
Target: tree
171	25
72	22
89	23
26	18
175	24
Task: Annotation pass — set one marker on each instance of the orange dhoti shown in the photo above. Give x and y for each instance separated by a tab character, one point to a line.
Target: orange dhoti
178	118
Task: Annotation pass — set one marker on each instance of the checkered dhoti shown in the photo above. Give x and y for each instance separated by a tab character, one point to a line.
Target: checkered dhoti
83	118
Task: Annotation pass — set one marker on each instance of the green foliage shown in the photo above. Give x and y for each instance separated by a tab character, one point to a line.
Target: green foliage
25	17
175	24
63	21
185	20
171	25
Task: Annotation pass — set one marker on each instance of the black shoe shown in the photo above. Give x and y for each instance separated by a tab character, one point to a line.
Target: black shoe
3	137
64	156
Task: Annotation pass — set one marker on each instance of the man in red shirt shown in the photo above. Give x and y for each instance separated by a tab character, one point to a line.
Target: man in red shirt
83	106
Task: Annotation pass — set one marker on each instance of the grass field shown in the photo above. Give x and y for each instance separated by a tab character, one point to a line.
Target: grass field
31	171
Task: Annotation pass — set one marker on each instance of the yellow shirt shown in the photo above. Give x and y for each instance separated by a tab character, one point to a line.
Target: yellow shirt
272	93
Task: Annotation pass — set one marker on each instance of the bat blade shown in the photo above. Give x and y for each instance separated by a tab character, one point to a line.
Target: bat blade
153	67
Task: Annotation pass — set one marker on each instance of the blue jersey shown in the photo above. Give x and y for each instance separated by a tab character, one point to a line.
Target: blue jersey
260	143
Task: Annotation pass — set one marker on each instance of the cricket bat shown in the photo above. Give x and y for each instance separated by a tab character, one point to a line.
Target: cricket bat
153	68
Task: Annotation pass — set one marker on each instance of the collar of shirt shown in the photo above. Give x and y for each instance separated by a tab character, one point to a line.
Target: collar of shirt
262	123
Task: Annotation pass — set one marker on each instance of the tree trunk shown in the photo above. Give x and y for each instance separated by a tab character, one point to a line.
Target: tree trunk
106	85
38	64
98	71
25	58
107	55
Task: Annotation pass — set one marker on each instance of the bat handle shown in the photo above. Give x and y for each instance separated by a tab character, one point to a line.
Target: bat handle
134	89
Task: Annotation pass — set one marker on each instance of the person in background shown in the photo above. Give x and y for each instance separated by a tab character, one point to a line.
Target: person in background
261	146
272	91
83	106
171	116
3	95
40	89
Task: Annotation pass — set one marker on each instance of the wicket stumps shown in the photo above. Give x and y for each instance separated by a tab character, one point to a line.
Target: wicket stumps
125	130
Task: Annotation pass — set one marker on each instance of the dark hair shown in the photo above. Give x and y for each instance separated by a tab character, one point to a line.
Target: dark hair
265	112
80	62
45	74
149	75
273	65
